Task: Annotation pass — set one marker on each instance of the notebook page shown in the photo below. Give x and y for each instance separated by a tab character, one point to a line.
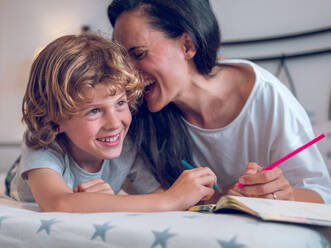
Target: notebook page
287	208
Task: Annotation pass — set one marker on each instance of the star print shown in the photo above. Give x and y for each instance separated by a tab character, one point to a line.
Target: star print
100	230
161	238
230	244
46	225
1	219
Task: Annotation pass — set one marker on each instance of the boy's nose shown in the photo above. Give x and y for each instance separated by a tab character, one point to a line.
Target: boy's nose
112	121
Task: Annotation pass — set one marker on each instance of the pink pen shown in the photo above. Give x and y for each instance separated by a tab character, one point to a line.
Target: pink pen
278	162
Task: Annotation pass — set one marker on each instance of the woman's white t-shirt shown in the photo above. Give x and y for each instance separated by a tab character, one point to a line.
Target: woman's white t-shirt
271	124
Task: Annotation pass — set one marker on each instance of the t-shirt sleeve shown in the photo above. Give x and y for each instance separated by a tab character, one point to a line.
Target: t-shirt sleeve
33	159
42	158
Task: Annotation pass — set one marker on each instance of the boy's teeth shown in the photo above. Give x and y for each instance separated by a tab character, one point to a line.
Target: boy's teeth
112	139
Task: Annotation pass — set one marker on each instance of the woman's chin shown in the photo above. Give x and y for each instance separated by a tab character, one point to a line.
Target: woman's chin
154	107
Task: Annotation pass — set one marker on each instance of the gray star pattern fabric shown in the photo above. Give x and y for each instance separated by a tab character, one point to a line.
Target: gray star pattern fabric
23	225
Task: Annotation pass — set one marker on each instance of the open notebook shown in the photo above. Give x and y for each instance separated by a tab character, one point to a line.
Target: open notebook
272	210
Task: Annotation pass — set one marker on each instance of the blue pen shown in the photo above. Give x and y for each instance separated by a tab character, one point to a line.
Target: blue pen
190	167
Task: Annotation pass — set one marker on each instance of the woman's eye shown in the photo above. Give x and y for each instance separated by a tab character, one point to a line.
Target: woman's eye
139	54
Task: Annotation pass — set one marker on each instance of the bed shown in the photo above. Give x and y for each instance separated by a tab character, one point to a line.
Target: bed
23	225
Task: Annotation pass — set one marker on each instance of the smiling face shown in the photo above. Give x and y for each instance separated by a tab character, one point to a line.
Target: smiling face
98	131
160	59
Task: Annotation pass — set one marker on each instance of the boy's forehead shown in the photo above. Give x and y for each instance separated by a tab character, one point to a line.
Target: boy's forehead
100	93
101	89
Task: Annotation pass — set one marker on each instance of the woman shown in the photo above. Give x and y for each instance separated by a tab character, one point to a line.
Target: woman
231	115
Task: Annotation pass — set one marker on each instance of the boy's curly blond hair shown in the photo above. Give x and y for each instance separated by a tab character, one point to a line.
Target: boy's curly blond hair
60	73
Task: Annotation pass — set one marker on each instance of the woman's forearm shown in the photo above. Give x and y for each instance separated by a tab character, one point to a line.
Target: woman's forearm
307	195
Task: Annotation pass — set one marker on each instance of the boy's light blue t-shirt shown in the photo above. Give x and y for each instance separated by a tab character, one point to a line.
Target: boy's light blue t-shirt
113	172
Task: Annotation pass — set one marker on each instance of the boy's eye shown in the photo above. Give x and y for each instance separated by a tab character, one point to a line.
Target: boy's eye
93	111
121	102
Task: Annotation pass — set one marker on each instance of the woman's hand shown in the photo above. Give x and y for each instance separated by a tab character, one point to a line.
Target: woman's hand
95	185
264	184
191	187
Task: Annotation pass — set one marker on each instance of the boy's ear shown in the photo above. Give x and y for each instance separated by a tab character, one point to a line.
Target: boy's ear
189	48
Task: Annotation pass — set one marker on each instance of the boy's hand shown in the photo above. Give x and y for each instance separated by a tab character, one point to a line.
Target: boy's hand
265	184
95	185
232	190
191	187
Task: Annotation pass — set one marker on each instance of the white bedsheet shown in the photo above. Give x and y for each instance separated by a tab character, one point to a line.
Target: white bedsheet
28	228
23	225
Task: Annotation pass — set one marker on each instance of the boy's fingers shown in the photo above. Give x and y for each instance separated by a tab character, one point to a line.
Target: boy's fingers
233	192
90	183
107	192
208	193
201	172
98	187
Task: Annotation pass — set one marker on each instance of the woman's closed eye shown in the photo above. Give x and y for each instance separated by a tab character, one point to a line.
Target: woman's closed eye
138	54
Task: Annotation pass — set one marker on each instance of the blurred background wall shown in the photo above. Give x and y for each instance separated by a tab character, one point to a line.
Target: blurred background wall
27	26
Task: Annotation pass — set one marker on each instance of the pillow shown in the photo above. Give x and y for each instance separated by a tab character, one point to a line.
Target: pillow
325	144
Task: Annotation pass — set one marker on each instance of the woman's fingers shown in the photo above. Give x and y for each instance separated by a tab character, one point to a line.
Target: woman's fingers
261	177
259	189
286	194
252	168
278	189
261	183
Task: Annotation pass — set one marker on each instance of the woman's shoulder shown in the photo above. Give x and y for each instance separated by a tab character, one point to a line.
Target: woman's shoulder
263	79
240	74
247	68
269	91
238	70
